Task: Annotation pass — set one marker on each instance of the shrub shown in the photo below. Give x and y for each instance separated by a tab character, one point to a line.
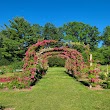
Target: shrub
11	68
106	85
93	74
2	69
109	74
1	85
1	72
4	61
17	65
56	61
15	84
102	76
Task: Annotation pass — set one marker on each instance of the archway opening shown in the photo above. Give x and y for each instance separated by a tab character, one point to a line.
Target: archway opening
56	61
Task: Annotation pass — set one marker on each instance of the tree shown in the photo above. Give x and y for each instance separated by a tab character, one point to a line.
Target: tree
1	41
102	55
18	36
51	32
11	49
1	44
80	32
106	36
36	34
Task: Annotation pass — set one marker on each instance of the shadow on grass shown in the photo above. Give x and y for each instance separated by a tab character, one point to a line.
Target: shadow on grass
85	83
2	107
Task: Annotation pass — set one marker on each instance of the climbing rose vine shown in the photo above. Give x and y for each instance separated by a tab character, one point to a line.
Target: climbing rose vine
36	62
36	59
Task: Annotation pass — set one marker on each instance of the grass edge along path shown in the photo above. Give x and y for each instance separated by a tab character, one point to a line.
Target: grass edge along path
57	91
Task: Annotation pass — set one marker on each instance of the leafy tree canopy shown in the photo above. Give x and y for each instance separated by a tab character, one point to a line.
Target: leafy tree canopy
106	36
80	32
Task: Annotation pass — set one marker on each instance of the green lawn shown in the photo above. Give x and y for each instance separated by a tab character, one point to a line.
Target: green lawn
57	91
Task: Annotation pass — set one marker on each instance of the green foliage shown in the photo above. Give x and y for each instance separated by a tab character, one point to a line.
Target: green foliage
102	76
1	40
50	32
105	78
16	37
56	61
3	69
102	55
17	65
10	49
80	32
108	74
15	84
1	85
106	85
106	36
4	62
1	72
12	67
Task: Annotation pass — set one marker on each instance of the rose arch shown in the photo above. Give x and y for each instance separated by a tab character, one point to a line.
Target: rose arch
36	60
36	64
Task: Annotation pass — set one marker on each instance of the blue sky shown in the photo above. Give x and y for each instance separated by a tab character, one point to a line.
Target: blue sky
93	12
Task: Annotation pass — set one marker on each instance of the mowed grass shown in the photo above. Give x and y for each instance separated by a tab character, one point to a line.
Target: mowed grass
57	91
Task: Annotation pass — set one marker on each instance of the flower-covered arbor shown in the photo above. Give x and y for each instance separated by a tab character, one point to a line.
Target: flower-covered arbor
36	59
36	64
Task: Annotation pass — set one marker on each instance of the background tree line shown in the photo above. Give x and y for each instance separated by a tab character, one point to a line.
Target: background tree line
16	37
